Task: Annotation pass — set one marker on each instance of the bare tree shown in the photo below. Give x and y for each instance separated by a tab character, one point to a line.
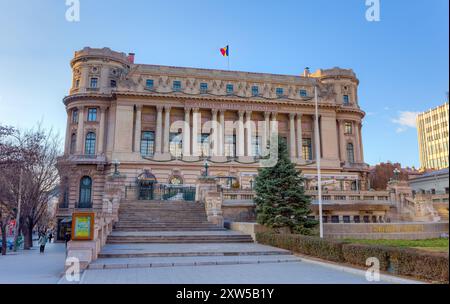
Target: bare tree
28	163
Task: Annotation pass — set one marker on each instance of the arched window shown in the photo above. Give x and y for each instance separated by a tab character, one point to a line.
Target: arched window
85	200
350	153
73	143
89	147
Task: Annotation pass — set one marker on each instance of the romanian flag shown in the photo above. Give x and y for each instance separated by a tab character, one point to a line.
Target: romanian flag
225	51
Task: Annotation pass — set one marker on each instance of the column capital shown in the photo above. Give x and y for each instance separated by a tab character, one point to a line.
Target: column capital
139	107
299	115
196	110
167	108
274	115
267	115
292	116
241	113
214	111
159	108
187	109
80	108
222	111
248	113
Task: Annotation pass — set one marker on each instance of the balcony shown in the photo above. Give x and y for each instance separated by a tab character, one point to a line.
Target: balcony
85	159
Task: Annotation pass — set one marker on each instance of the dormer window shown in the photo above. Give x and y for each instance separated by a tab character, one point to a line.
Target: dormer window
94	83
255	91
230	89
279	92
303	93
113	83
203	87
149	84
176	86
346	100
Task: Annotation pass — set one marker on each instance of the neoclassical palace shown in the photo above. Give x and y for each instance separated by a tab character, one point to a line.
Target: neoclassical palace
161	127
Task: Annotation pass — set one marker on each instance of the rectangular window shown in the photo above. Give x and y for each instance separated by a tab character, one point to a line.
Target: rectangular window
94	83
346	219
256	146
279	92
255	91
75	116
356	219
203	144
335	219
307	149
113	83
149	84
147	143
230	145
303	93
348	128
203	87
230	89
92	114
177	85
176	144
346	100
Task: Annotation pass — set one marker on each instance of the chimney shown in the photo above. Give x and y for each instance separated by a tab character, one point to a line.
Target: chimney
306	72
131	57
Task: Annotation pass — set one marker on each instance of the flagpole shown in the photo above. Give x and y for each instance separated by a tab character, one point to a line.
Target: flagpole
319	176
228	49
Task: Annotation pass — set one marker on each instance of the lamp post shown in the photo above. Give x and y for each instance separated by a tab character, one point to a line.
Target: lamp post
116	164
206	167
319	177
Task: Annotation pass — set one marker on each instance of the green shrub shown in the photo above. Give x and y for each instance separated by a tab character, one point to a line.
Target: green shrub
357	254
309	245
431	266
419	264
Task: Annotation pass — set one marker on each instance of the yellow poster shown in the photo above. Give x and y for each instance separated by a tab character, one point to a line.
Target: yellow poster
83	227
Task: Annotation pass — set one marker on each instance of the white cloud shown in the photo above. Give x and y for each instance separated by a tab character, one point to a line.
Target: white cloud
405	120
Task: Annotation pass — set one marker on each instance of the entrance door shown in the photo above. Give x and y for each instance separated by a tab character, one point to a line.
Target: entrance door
146	191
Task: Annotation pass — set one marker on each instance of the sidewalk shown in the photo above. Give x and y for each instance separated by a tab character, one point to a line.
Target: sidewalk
31	267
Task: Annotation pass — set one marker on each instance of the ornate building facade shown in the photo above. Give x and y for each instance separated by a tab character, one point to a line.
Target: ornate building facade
160	123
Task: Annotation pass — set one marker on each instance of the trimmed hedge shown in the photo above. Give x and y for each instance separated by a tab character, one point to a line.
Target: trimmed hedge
400	261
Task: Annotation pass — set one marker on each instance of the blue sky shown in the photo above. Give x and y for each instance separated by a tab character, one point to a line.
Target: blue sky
401	61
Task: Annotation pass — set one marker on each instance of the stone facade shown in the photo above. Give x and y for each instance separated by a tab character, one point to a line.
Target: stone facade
168	120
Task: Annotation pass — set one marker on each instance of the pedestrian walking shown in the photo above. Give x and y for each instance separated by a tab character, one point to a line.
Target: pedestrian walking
66	238
50	236
42	241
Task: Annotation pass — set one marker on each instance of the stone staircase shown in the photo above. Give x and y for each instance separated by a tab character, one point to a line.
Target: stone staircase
168	222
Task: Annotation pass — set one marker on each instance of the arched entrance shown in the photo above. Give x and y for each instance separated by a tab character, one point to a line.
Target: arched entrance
146	185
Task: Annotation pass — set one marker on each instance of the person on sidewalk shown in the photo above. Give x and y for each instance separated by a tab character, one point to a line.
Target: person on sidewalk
50	236
42	241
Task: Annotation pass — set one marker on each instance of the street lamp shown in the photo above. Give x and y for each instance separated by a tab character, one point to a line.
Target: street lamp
116	164
317	142
206	167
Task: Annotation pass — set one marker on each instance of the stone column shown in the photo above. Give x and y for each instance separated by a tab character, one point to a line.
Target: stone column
222	133
248	122
138	129
84	82
158	139
240	135
361	146
274	125
80	131
68	133
299	137
292	136
102	131
357	146
214	137
342	148
266	133
166	129
195	122
104	79
187	132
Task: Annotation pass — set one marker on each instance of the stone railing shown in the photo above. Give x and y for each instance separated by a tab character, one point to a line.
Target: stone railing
337	197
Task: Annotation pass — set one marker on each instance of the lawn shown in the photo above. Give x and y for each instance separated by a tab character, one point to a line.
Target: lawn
436	245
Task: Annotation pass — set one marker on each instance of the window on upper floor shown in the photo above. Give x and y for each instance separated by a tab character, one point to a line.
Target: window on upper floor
230	145
230	89
203	87
350	153
307	149
303	93
256	146
113	83
94	83
176	86
73	143
255	90
149	84
77	83
147	143
92	114
348	128
346	100
175	144
75	116
279	92
89	146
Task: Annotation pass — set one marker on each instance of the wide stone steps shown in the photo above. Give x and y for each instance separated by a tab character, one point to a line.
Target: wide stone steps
179	239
